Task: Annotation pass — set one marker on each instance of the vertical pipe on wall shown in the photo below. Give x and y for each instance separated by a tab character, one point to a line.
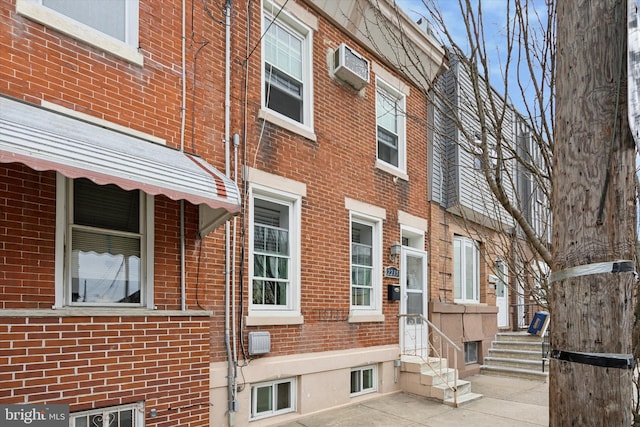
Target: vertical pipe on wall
183	115
228	273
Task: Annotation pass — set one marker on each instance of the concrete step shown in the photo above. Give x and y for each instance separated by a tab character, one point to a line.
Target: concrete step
463	399
514	372
510	362
444	392
417	363
517	345
517	336
433	377
507	353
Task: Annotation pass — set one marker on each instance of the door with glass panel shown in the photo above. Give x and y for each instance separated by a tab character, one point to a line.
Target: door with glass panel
502	294
413	301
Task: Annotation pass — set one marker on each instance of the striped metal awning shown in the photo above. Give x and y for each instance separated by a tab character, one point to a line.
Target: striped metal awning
45	140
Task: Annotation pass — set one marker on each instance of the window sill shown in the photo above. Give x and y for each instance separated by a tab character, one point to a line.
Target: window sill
391	170
365	317
99	311
273	319
80	32
277	120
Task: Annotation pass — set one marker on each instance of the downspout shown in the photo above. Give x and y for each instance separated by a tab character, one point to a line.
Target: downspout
227	227
183	115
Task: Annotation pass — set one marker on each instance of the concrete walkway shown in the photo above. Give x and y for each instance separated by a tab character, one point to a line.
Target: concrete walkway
506	402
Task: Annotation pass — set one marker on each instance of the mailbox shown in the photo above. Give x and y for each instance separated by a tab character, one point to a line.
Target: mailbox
393	292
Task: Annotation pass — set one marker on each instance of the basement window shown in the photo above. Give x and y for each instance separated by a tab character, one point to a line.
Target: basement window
471	352
363	380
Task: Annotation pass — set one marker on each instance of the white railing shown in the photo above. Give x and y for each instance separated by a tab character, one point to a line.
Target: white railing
424	340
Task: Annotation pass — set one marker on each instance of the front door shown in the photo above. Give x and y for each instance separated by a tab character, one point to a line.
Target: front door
413	288
502	295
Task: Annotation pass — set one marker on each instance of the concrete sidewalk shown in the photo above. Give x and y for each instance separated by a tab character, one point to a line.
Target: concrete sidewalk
506	402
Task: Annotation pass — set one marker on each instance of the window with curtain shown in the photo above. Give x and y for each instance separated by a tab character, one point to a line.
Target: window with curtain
271	254
105	262
466	270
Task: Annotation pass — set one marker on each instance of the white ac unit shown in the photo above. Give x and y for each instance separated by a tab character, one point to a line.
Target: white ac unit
350	67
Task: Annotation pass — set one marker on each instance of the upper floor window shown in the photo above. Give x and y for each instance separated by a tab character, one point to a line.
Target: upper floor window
274	248
110	25
111	17
466	270
107	240
390	122
286	65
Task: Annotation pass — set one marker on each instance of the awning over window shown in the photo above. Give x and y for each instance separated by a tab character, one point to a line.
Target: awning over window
44	140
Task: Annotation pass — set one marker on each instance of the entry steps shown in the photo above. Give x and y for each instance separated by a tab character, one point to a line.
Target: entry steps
516	354
429	377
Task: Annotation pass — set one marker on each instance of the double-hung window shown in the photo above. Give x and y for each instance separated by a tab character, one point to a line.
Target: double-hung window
107	245
390	124
111	25
273	398
286	65
466	270
365	272
274	251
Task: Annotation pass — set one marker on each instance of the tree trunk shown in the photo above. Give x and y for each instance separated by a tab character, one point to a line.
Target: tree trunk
594	216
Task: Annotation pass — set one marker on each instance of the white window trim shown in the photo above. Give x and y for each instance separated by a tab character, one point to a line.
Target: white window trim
374	388
259	314
62	298
372	213
138	413
34	10
294	398
401	169
300	22
376	258
475	299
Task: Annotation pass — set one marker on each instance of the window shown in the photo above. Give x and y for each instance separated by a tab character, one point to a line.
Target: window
287	65
364	380
114	416
274	251
365	272
390	121
107	260
471	352
466	270
107	16
273	398
111	25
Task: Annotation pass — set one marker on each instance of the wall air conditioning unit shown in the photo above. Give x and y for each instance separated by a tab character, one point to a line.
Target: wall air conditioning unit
350	67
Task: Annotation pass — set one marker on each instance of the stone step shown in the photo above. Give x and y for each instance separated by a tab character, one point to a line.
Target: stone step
510	362
507	353
417	363
514	372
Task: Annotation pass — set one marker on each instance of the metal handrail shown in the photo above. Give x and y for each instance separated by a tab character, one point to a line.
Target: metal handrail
438	344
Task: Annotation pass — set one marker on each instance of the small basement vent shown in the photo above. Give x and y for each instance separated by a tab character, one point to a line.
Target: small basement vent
350	67
259	343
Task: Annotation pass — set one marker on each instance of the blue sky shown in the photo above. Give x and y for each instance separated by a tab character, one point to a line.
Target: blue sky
494	18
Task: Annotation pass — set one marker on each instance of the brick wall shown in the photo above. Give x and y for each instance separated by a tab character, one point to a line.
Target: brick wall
90	362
